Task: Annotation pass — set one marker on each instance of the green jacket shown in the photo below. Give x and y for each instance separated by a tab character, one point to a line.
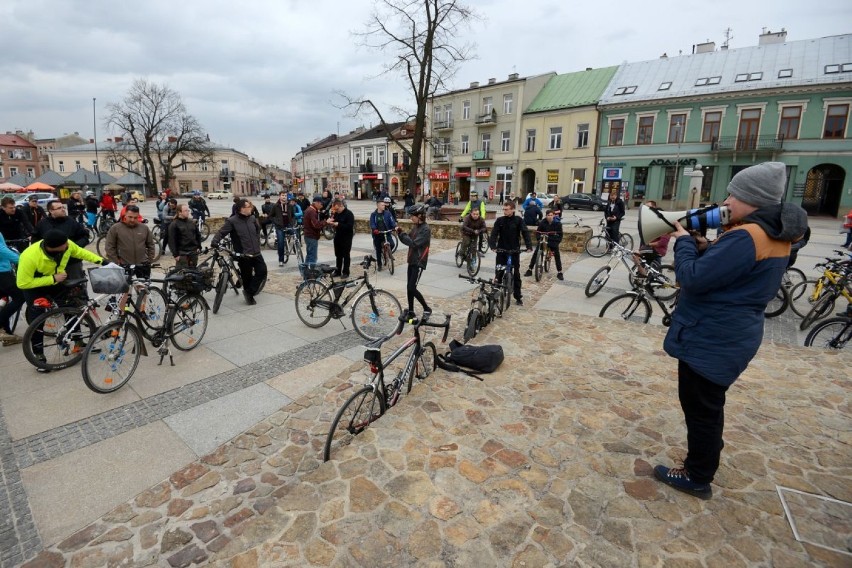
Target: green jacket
471	204
36	268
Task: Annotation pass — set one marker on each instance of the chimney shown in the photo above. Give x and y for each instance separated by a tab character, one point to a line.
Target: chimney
172	139
119	139
706	47
588	68
473	85
109	140
491	81
513	76
768	37
664	56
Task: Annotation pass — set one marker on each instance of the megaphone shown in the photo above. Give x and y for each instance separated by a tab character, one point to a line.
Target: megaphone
654	222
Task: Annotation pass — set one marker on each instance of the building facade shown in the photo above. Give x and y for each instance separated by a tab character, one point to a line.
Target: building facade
677	129
18	156
474	136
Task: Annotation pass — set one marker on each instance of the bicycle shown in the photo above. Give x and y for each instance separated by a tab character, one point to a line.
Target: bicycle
470	256
665	285
600	244
104	222
111	357
228	273
388	249
374	311
544	255
484	307
634	305
370	402
504	275
293	244
832	333
203	227
815	299
578	223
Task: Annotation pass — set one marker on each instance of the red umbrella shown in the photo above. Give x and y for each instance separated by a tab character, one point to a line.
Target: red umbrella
39	186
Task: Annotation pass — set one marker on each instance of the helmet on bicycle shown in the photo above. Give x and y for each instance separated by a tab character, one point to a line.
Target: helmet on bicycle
387	199
417	209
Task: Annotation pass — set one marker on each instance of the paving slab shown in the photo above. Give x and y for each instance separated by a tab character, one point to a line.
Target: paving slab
251	347
299	382
190	366
207	426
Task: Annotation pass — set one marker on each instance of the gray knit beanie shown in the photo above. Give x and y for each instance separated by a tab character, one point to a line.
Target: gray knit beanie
760	185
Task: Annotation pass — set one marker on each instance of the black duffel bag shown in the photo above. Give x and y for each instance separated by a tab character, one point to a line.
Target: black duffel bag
471	359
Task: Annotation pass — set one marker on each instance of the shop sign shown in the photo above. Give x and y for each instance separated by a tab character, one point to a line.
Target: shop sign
368	176
483	172
462	174
681	162
439	174
552	176
611	173
613	164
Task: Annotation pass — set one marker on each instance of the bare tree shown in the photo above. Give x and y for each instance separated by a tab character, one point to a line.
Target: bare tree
158	132
422	37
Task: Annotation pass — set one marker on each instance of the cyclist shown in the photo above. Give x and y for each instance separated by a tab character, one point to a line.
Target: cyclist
343	222
614	213
506	234
108	206
381	220
433	207
296	211
417	240
472	227
92	206
409	200
550	224
474	203
281	219
245	237
14	225
59	219
131	242
15	298
266	214
531	198
184	239
128	203
76	207
198	206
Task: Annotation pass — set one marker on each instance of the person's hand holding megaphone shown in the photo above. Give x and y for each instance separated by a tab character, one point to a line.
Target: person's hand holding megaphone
701	242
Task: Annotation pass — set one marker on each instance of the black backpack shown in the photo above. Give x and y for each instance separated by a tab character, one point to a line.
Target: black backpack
471	359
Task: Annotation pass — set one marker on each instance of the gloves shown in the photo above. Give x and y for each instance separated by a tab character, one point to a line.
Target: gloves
375	231
461	219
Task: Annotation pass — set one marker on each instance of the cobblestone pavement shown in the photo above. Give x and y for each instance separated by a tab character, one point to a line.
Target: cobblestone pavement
545	463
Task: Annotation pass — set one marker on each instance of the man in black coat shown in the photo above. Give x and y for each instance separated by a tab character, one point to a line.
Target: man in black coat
614	213
57	218
343	222
506	235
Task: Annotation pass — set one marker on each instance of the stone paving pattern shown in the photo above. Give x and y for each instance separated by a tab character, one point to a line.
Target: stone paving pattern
545	463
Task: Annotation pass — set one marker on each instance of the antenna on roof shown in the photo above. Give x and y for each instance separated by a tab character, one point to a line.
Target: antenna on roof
728	37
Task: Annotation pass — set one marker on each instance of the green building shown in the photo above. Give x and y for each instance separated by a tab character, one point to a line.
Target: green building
728	109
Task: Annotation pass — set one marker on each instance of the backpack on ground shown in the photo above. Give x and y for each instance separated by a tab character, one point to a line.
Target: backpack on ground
471	359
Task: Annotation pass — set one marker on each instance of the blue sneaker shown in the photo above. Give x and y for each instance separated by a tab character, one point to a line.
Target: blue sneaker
679	479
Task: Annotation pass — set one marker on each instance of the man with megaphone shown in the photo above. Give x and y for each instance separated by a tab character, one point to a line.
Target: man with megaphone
717	326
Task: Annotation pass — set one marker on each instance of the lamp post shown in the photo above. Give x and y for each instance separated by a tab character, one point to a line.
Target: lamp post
95	132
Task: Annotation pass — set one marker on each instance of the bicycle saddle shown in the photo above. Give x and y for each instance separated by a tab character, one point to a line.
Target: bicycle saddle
324	268
174	277
74	282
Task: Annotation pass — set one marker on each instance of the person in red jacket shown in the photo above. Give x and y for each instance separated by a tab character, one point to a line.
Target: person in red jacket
108	206
312	227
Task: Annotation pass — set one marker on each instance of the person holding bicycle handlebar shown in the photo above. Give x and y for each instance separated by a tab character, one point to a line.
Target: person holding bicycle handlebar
472	227
381	220
506	235
244	230
184	239
553	230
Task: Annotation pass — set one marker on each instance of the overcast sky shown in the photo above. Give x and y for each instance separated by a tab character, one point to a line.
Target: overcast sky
261	75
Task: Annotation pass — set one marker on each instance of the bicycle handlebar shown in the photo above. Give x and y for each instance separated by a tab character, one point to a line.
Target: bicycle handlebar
474	280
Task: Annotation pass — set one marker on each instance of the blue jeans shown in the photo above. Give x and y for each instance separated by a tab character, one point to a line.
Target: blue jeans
311	246
282	243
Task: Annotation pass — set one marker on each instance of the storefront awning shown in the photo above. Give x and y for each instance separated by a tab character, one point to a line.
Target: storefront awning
462	174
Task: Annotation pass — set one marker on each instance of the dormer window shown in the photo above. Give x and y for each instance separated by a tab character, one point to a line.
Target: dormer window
630	90
755	76
741	77
620	91
701	82
785	73
846	68
714	80
832	69
665	86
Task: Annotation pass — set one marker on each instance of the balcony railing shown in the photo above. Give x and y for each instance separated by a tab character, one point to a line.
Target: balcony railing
226	174
747	144
487	119
482	155
441	157
442	124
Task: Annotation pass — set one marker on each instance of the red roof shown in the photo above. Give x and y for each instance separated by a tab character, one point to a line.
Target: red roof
15	140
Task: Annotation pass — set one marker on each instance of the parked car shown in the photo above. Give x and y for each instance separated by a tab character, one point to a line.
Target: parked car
583	201
43	197
220	195
137	195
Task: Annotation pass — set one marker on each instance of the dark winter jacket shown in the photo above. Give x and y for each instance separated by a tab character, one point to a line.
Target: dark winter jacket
311	223
507	233
280	215
532	215
345	229
69	227
383	222
184	237
244	231
469	226
554	227
614	208
15	226
717	326
418	241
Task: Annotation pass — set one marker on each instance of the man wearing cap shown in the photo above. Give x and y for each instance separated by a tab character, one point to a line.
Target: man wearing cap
717	326
313	229
34	212
58	219
244	230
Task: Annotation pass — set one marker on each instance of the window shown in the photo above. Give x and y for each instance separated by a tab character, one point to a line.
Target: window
788	129
448	113
646	130
578	175
183	167
701	82
665	86
487	105
835	121
504	141
61	166
507	104
556	138
616	132
712	124
380	157
755	76
13	171
466	110
77	165
640	182
677	125
620	91
846	68
552	181
204	166
437	114
530	141
625	90
486	143
749	127
465	144
582	135
832	69
395	159
31	172
368	155
785	73
111	165
205	186
741	77
357	158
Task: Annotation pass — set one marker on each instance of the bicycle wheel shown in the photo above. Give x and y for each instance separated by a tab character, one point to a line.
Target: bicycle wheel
473	325
778	304
538	269
394	242
188	322
459	255
496	306
288	244
427	361
204	229
363	407
221	288
328	232
823	307
56	339
802	297
628	307
313	303
154	307
473	263
272	239
596	246
625	240
792	276
375	314
597	281
100	245
666	288
388	258
833	333
111	357
483	242
508	288
547	260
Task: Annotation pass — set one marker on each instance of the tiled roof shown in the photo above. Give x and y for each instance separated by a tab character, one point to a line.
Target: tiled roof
130	178
84	177
51	178
756	67
15	140
572	90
